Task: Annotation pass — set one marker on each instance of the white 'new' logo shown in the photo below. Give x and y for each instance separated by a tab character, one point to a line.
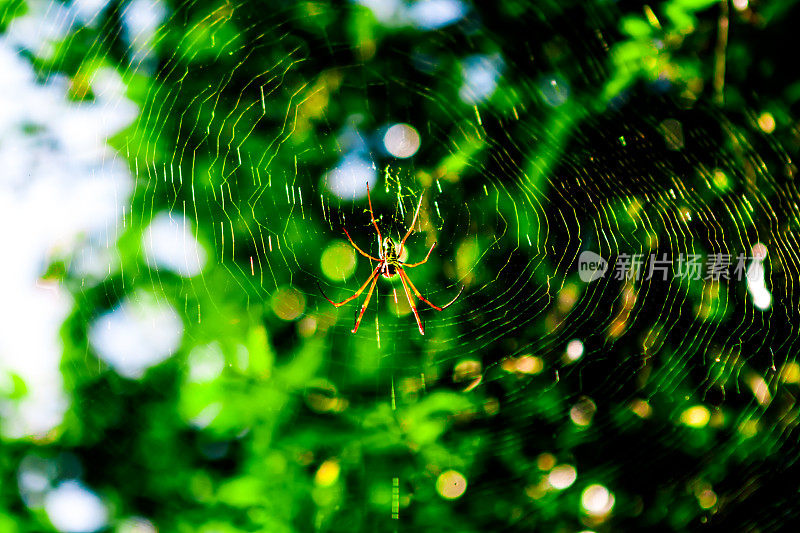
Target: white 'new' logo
591	266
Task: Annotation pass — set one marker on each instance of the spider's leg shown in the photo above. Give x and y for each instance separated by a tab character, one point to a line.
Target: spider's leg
413	222
405	277
423	261
366	303
413	305
372	216
359	250
357	293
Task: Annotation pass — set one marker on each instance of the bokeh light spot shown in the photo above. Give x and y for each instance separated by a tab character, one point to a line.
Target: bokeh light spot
328	473
574	350
545	461
338	261
72	508
760	389
582	412
136	524
481	74
398	303
721	180
307	327
206	363
137	334
696	416
756	279
401	140
597	501
641	408
435	14
554	91
766	122
169	243
470	371
562	476
707	499
451	485
349	179
759	251
321	396
525	364
288	303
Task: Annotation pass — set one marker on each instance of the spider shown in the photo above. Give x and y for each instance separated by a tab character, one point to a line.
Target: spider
389	266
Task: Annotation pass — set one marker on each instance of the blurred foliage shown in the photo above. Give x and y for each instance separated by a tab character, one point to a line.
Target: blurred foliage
243	106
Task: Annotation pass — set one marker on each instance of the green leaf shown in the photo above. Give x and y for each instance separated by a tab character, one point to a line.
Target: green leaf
636	27
696	5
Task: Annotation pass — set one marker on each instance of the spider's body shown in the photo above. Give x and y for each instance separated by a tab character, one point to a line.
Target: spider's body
389	266
390	258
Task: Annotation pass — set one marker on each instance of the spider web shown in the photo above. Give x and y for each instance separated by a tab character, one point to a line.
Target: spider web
257	134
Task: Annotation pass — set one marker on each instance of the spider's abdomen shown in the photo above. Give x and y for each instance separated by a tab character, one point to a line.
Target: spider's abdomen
389	270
